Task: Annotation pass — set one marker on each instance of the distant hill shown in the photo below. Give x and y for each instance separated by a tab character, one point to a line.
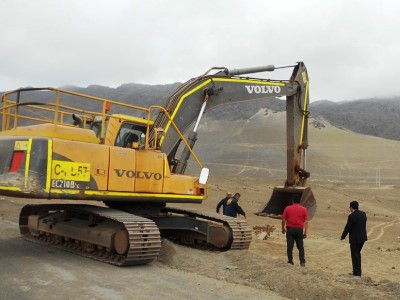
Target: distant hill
131	93
376	117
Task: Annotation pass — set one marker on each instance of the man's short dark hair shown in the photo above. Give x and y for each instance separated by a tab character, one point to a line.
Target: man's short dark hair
236	195
354	204
296	198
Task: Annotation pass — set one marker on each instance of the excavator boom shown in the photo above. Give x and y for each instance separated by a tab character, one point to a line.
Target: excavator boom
225	87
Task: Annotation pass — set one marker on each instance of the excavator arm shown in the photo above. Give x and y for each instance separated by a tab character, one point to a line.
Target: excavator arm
208	91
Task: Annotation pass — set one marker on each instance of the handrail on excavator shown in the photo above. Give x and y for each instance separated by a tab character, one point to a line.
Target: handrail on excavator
57	113
58	118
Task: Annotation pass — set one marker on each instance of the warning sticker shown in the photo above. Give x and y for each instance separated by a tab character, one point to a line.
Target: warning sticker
21	145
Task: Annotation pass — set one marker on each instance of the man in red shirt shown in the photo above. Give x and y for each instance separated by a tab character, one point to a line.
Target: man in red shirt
294	220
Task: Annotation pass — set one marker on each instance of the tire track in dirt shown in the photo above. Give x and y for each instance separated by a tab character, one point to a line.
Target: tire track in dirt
241	166
244	167
328	247
335	252
381	227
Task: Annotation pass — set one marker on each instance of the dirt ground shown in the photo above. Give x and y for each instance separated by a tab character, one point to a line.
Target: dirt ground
328	258
264	266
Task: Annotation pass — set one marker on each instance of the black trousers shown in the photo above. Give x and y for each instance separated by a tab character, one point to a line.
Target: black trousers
295	235
355	250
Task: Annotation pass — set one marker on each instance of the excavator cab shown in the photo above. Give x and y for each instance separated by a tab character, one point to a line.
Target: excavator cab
282	197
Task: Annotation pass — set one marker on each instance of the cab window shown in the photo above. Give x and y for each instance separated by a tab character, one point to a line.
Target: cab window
130	133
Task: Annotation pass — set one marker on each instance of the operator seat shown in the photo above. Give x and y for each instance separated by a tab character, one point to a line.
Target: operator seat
129	138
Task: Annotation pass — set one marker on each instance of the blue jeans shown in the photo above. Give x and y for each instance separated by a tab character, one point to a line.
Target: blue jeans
295	235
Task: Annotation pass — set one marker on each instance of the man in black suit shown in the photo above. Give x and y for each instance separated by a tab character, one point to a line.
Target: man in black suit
357	228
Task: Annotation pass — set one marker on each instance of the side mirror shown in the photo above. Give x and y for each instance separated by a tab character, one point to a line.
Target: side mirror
204	175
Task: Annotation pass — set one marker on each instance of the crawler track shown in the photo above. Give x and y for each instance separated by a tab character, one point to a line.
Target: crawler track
143	237
241	231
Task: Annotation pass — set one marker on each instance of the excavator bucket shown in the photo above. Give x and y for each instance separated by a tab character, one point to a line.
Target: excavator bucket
282	197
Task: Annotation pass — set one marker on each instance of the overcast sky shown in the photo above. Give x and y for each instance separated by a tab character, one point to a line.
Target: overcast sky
351	47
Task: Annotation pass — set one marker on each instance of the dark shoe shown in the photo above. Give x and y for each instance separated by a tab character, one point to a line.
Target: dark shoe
303	264
290	262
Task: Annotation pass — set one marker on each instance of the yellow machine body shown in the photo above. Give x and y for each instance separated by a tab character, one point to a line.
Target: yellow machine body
56	160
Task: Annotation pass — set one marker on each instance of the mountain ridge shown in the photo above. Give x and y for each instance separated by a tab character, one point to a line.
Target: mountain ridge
373	116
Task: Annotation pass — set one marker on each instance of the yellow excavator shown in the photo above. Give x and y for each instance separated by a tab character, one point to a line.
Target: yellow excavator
132	161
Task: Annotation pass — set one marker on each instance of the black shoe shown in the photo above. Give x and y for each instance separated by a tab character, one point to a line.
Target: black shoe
290	262
303	264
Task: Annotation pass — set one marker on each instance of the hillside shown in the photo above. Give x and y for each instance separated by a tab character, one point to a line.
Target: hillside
256	148
377	117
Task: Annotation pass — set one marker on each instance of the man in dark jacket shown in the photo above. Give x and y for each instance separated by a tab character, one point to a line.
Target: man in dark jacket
223	202
356	227
232	208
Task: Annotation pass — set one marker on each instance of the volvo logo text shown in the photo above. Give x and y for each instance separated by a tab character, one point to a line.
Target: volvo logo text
263	89
138	174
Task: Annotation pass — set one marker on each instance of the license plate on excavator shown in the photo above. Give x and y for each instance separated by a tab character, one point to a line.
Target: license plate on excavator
282	197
